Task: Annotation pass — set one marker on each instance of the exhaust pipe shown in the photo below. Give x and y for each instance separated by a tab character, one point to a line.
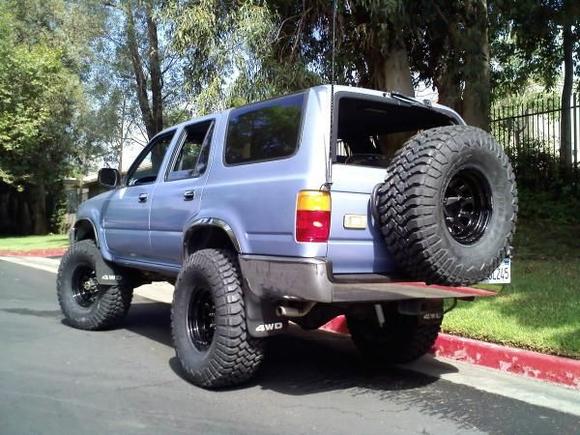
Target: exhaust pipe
284	311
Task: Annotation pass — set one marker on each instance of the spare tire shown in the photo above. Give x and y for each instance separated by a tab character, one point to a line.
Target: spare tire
448	206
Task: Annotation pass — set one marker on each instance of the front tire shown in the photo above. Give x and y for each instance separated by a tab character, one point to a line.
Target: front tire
401	339
85	303
208	322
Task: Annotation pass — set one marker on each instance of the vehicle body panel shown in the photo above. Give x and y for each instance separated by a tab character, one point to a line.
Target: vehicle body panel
356	250
127	214
171	211
256	201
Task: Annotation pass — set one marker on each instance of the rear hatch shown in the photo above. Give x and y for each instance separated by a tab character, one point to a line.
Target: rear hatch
370	129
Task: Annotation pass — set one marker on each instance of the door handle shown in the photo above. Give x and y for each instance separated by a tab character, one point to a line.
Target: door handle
188	195
143	197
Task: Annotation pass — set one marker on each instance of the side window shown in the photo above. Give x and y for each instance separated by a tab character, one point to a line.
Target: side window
146	167
264	131
192	158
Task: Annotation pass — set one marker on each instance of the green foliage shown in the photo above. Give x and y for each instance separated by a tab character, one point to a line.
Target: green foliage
559	206
48	129
246	50
227	47
526	42
535	166
58	221
37	107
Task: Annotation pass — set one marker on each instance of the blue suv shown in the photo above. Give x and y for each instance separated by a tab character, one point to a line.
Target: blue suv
330	201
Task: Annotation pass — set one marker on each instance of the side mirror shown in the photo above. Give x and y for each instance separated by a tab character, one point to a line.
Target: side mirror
109	177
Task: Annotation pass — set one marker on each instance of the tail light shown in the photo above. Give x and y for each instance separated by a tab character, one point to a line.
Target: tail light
312	216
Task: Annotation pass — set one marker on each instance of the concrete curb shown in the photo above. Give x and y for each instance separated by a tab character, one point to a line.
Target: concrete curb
559	370
43	252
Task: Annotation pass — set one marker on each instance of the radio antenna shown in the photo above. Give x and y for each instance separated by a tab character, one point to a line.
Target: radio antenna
332	74
332	82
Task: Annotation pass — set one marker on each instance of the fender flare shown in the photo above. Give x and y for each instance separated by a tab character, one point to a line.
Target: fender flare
211	222
107	272
72	236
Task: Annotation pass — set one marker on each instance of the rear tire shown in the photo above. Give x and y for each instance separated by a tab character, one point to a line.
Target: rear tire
448	206
401	339
208	322
85	303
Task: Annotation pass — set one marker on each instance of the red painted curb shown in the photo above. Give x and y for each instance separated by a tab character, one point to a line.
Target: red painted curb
48	252
508	359
565	371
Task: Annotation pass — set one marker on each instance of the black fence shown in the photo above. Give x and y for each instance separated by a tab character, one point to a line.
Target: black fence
530	133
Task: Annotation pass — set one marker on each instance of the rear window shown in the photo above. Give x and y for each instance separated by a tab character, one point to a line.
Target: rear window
264	131
371	130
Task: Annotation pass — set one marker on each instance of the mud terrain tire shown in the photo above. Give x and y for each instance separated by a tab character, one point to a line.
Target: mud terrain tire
85	303
209	325
401	339
448	207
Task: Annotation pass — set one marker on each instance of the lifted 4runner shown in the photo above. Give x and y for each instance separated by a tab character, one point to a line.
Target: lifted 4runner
377	206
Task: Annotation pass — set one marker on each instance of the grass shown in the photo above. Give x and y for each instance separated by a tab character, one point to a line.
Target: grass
540	310
27	243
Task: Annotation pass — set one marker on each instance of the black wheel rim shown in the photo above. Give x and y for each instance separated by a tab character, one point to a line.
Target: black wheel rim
467	206
85	287
201	319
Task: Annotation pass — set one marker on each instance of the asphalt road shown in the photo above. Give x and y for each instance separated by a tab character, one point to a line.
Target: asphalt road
55	379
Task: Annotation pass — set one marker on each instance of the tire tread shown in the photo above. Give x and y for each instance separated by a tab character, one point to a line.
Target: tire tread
408	196
237	355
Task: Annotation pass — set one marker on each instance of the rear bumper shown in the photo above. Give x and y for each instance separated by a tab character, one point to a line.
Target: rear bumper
311	279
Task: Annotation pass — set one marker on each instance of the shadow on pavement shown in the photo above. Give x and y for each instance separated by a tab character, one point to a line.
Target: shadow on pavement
151	320
299	363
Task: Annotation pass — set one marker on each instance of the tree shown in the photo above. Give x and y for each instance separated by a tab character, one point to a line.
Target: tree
47	122
136	52
226	48
151	109
381	44
37	105
533	39
569	17
372	42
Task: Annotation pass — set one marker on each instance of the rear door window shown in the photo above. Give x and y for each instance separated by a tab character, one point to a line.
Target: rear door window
264	131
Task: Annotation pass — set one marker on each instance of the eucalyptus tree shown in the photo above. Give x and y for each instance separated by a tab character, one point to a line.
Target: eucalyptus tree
136	52
227	50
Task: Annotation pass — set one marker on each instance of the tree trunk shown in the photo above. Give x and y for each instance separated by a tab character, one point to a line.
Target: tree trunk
37	201
121	139
391	72
155	71
449	91
476	95
140	79
565	122
25	218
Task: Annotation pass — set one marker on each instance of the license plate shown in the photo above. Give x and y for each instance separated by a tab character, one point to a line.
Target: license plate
501	275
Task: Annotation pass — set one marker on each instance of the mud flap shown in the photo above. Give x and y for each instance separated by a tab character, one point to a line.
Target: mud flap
261	317
107	274
428	311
